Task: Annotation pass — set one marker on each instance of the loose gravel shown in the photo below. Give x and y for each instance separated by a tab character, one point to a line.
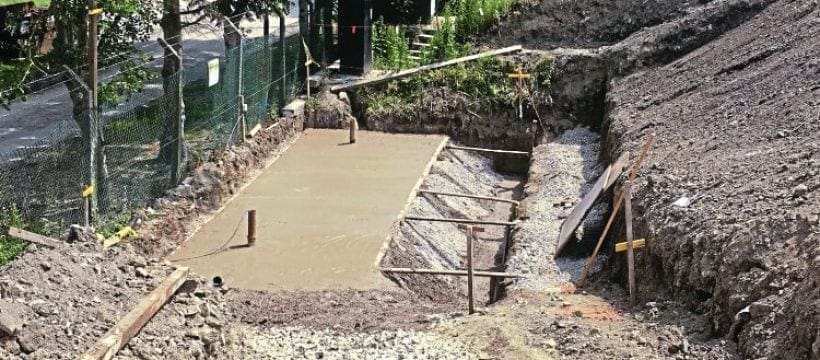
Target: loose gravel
561	172
300	343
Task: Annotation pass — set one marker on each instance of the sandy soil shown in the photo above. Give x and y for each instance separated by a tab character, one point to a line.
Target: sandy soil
319	226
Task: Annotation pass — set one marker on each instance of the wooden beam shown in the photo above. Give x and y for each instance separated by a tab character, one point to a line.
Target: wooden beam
442	193
35	238
414	192
479	273
408	72
128	326
605	181
467	148
460	221
632	174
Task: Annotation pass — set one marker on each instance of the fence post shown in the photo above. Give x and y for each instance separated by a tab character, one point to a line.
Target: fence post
240	98
283	50
89	207
178	159
304	31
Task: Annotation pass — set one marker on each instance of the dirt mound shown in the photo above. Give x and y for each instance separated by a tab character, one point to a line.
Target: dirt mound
549	24
67	298
737	126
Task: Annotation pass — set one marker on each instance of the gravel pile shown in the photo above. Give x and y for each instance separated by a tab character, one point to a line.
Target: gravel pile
561	172
64	300
298	343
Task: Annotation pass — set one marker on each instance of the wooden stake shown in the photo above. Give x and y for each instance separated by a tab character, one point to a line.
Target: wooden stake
630	251
251	227
460	221
442	193
478	273
470	230
520	75
634	172
470	299
354	125
128	326
511	152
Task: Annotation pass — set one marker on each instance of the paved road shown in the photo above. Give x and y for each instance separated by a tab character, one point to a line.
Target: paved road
32	120
324	210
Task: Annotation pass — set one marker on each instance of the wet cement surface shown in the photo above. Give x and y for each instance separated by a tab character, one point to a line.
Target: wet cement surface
323	212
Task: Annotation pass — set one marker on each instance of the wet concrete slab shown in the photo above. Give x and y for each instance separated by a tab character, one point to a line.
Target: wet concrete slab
324	209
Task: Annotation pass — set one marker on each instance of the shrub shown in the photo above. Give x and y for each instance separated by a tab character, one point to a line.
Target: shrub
391	49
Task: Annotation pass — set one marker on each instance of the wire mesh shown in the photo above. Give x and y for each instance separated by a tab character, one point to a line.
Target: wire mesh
138	137
45	179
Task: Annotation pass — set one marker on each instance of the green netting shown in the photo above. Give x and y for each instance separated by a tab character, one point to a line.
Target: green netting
138	138
136	148
44	180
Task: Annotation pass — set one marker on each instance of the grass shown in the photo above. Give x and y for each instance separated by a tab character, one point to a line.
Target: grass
11	247
485	81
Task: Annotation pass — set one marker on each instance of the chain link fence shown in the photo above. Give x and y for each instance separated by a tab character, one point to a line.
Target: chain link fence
138	138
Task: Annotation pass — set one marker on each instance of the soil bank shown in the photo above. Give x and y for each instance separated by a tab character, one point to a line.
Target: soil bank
319	226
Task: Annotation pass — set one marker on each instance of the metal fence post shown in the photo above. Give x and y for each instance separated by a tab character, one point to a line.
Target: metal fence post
240	99
283	93
178	159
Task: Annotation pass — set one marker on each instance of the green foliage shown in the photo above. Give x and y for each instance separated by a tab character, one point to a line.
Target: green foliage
116	224
475	16
542	71
127	81
391	50
485	81
445	45
10	247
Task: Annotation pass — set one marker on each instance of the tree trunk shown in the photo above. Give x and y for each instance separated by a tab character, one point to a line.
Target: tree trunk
173	150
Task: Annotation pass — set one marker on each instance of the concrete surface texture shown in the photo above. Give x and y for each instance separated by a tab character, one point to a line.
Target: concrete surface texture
323	212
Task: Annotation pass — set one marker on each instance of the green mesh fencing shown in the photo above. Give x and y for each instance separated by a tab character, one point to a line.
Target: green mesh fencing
45	180
138	137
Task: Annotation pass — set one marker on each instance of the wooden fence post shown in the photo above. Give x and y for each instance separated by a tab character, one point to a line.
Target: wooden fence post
630	250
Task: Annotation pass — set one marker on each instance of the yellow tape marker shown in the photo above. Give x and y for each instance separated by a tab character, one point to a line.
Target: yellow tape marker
621	247
96	11
88	191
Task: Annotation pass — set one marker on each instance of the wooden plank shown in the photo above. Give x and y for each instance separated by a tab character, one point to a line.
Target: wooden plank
632	174
128	326
414	192
630	251
467	148
408	72
460	221
637	244
479	273
605	181
443	193
35	238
